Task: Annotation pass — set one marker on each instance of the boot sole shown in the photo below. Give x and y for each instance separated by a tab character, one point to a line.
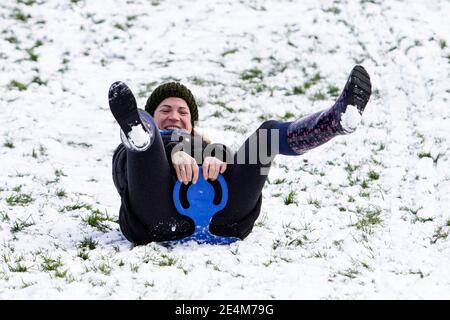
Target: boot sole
123	106
363	88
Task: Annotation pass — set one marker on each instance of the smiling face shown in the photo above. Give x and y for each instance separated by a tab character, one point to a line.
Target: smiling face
173	113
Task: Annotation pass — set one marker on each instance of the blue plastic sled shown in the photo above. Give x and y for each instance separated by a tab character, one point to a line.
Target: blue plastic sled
201	207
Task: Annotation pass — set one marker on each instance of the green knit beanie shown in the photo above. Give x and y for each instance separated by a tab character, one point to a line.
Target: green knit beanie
172	89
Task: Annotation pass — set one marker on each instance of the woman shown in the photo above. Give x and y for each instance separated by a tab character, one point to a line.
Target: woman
149	161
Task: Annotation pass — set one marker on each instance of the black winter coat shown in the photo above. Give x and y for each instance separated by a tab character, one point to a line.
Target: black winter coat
119	173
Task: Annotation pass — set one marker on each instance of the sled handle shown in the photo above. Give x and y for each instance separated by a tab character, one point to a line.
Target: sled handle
224	188
220	206
176	199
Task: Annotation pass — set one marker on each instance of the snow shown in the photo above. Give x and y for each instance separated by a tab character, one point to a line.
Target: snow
139	137
369	217
350	119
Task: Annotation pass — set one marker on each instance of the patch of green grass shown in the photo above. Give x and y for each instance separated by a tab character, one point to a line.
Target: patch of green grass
365	194
428	155
18	268
39	81
134	267
411	210
371	218
4	217
424	155
442	44
312	81
50	264
60	173
223	105
167	261
14	84
439	234
279	181
9	144
423	220
83	254
12	39
20	16
252	74
105	269
60	193
260	87
38	43
133	17
364	184
79	144
334	10
373	175
217	114
290	198
27	284
333	91
318	96
276	195
229	51
338	243
120	26
297	242
20	225
89	243
276	244
32	56
298	90
77	206
43	150
97	220
351	168
61	274
27	2
349	273
314	202
202	82
287	116
20	199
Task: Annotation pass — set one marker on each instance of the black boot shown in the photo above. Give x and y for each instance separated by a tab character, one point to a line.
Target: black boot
357	91
134	134
315	129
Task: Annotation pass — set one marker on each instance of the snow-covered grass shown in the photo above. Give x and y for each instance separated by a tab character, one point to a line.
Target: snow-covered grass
364	216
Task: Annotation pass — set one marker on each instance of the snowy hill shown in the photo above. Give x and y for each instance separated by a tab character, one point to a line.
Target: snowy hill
365	216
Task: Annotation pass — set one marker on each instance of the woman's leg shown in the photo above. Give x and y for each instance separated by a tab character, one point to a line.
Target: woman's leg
150	186
147	213
247	174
